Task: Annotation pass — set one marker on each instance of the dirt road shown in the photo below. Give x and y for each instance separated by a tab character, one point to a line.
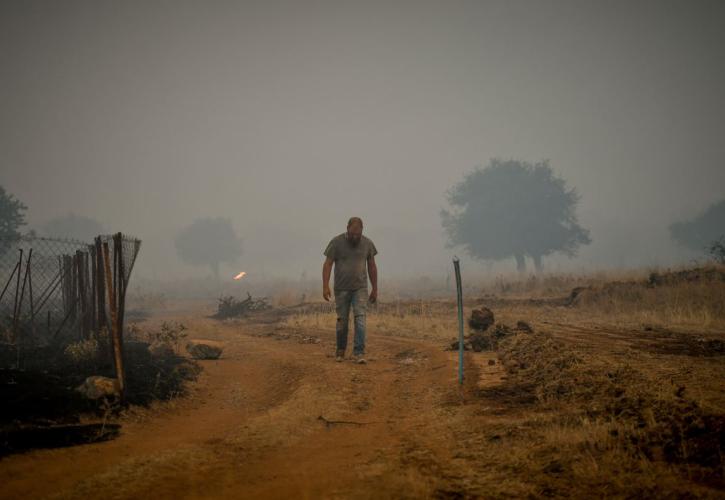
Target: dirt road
277	417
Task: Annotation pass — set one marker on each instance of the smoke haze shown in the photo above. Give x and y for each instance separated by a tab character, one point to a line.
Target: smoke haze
290	117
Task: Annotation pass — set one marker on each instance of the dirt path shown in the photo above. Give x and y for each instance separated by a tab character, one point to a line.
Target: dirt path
274	418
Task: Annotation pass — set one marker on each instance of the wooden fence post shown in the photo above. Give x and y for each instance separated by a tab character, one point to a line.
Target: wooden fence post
115	334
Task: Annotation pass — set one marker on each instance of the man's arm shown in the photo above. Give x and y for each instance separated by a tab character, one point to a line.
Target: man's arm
326	270
373	273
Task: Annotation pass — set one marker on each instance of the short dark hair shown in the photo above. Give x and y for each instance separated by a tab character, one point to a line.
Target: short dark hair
355	220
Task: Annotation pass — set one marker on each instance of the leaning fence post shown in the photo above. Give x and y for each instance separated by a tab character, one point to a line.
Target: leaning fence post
459	294
17	288
115	337
30	294
7	283
16	326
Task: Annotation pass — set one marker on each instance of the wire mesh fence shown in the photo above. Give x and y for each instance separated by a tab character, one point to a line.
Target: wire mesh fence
55	291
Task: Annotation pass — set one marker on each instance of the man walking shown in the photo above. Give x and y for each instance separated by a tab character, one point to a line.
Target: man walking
354	258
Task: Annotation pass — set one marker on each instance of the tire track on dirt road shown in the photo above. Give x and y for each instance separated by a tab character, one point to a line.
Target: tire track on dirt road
251	428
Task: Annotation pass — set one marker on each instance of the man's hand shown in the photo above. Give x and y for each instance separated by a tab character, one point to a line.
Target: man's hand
326	270
373	273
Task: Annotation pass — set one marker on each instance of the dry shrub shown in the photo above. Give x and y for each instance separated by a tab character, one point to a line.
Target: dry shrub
552	285
82	353
693	297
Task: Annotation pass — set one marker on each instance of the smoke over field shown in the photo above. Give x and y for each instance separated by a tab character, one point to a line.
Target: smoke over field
227	234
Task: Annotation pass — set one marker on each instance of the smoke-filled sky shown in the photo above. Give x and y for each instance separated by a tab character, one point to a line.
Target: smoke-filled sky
289	117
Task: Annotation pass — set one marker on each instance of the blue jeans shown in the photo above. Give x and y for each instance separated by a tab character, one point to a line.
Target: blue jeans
358	299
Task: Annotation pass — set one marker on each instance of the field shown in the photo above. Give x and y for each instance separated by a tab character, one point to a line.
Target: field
597	386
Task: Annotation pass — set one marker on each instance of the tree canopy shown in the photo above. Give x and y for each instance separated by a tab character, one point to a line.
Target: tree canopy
513	208
703	231
209	241
12	218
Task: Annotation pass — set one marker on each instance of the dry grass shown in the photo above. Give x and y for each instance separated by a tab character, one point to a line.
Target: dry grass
686	304
423	319
599	403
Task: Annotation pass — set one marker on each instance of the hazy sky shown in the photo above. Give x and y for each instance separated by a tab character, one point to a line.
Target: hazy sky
289	117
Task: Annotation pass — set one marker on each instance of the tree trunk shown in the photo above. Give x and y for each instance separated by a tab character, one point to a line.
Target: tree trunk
520	263
538	264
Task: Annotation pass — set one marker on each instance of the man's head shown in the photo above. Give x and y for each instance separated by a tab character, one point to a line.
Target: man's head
354	230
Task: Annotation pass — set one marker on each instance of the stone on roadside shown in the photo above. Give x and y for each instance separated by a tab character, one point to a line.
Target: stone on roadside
204	349
96	387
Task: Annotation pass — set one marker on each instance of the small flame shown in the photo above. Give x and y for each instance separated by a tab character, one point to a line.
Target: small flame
240	275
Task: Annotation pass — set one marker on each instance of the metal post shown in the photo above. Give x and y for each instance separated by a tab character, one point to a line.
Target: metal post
459	293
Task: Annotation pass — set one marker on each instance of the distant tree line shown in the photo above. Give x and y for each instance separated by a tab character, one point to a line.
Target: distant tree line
704	233
522	210
507	209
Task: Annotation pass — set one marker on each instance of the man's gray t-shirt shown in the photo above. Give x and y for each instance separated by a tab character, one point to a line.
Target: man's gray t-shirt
350	261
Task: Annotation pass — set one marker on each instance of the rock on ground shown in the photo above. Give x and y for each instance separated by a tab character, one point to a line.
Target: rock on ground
204	349
96	387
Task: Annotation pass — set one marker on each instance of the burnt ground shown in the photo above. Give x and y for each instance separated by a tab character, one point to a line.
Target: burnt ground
42	409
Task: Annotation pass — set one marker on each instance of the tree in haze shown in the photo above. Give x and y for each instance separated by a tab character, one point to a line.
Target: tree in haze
209	241
703	232
513	208
12	218
73	227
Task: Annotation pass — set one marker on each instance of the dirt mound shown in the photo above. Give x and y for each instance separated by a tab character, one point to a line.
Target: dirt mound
542	365
481	319
652	291
646	419
489	339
